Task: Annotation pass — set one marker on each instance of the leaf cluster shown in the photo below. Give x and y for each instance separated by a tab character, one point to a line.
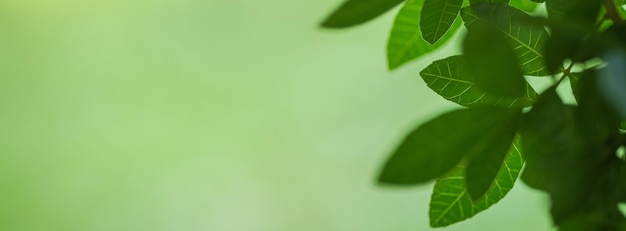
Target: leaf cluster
506	128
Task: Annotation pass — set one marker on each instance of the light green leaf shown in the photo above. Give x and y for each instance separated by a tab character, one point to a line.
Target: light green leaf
526	35
405	40
489	1
451	79
450	202
436	146
525	5
354	12
437	17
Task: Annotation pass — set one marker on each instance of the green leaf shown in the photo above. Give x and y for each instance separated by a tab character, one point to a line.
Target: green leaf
571	21
612	81
620	2
438	145
354	12
525	5
492	61
437	17
452	79
473	2
483	169
405	40
450	202
624	125
525	34
561	162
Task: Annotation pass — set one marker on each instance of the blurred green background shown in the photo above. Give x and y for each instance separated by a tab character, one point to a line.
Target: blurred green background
218	115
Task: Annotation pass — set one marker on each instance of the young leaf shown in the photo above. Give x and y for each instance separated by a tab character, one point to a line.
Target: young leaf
483	168
450	202
452	79
436	146
525	34
437	17
405	40
354	12
492	62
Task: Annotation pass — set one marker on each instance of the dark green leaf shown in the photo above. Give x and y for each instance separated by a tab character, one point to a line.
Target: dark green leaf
623	125
553	147
493	62
436	146
354	12
450	202
620	2
483	168
437	17
538	1
612	81
597	120
405	41
524	33
452	79
571	21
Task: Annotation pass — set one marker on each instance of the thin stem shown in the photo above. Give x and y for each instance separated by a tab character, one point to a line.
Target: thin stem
566	73
612	12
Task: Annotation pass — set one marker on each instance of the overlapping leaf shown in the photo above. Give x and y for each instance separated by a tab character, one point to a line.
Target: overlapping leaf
450	202
432	149
405	40
354	12
525	5
526	35
493	61
437	17
473	2
451	79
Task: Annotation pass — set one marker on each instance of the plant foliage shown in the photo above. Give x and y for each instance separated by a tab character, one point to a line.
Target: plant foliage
507	129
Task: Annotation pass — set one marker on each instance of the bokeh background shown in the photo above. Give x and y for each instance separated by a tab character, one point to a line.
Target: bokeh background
210	115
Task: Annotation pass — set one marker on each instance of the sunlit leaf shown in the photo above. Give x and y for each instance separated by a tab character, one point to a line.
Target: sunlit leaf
452	79
526	35
489	1
354	12
437	17
438	145
525	5
492	62
450	202
405	40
